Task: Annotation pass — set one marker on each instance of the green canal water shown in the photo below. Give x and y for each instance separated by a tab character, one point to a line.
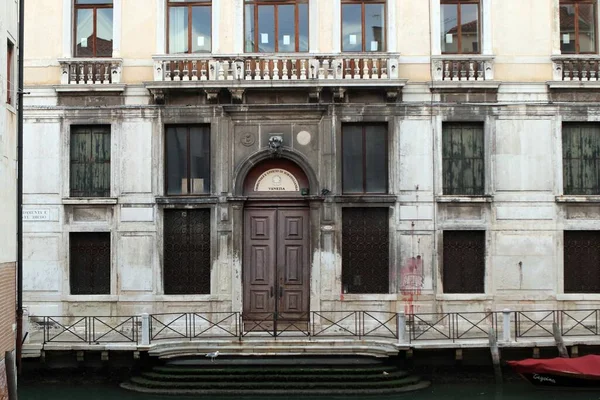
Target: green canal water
467	391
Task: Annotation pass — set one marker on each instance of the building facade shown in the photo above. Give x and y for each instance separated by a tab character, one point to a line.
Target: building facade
287	156
8	183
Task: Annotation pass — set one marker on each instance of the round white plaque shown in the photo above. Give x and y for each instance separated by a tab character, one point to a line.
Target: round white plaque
303	138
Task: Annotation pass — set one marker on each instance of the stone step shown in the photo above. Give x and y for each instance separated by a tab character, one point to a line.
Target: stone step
239	370
275	392
277	384
278	361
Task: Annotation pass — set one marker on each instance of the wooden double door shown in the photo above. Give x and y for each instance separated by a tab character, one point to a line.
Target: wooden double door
276	266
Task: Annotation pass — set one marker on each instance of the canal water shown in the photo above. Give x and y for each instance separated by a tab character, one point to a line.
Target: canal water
453	391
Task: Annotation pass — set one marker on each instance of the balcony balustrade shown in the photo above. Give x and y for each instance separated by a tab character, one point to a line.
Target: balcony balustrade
584	68
462	69
255	69
90	71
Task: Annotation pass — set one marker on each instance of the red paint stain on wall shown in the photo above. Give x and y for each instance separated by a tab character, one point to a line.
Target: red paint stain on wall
411	282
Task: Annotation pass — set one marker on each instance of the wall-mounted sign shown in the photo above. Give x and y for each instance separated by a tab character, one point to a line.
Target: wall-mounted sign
36	215
276	180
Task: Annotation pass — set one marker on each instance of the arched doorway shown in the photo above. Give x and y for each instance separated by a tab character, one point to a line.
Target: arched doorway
276	250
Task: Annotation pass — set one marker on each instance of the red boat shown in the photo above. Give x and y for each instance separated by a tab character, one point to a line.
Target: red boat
581	372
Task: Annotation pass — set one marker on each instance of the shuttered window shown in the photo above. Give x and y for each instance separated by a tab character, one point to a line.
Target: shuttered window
89	262
364	159
463	159
188	160
365	250
187	251
581	158
582	261
464	261
90	161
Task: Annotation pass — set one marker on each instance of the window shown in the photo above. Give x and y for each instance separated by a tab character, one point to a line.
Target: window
365	250
276	26
188	160
462	159
460	26
578	26
93	28
90	161
187	251
89	262
189	26
582	261
10	72
363	26
464	261
581	158
364	158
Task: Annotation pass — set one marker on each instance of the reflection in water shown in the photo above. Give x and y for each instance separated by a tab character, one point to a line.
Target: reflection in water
467	391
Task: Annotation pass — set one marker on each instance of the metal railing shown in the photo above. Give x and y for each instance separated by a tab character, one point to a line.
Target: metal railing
92	330
451	326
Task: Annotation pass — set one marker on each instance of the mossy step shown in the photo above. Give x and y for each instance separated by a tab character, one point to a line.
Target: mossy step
233	370
274	392
410	380
279	375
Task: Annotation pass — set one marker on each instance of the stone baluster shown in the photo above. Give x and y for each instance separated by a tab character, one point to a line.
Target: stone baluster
356	69
220	65
339	69
106	79
248	70
347	68
312	69
230	69
284	70
239	65
464	70
302	69
329	68
593	74
90	74
257	75
72	74
365	69
276	69
384	74
575	71
585	67
176	72
96	73
267	70
472	69
203	70
186	70
194	76
374	69
446	74
321	64
294	70
567	68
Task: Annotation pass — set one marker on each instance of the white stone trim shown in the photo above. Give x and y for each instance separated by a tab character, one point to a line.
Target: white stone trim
238	44
313	27
435	13
215	18
161	27
392	34
117	21
67	34
336	34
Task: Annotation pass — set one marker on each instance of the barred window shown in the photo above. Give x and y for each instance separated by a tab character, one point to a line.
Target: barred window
365	250
464	261
90	161
463	159
581	158
582	261
89	262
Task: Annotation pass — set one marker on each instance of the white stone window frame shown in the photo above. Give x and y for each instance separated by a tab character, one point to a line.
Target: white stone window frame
556	31
69	28
390	21
215	13
485	16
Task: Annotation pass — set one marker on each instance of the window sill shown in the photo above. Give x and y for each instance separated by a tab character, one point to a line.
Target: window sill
198	199
578	199
464	297
578	297
369	297
365	198
464	199
78	88
91	297
90	201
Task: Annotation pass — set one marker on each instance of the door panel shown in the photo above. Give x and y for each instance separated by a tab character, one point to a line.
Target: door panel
276	264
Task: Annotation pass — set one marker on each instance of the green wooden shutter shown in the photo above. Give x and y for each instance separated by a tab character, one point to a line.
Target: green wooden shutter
90	162
581	158
463	159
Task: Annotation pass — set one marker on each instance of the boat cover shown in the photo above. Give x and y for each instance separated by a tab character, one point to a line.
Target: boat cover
586	365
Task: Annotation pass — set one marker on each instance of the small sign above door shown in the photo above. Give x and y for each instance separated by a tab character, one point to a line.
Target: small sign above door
276	180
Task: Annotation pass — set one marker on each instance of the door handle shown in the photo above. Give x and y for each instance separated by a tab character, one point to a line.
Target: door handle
280	291
271	291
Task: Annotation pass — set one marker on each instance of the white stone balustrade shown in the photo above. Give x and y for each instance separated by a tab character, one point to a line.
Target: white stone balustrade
583	68
287	67
462	68
90	71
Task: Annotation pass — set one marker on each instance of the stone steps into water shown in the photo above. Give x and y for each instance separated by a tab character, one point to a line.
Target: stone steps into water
285	375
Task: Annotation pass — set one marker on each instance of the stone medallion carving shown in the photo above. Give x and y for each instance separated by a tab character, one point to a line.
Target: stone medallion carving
248	139
303	138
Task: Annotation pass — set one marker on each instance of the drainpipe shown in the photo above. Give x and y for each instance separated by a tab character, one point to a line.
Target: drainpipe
21	40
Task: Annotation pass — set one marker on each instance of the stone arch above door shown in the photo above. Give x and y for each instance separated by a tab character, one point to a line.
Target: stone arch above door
293	169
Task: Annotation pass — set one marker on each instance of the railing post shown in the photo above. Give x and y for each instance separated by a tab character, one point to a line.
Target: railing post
145	329
506	325
401	327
